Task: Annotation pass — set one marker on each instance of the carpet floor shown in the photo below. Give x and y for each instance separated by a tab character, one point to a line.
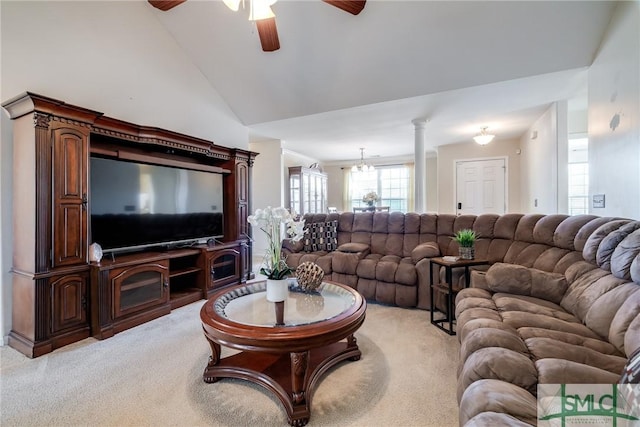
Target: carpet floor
151	375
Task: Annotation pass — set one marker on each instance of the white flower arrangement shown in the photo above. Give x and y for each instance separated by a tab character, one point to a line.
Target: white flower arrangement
370	198
270	221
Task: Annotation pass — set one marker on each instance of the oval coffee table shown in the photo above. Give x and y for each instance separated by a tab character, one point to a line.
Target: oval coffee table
287	359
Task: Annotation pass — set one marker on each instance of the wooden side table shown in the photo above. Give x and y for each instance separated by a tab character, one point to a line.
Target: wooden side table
447	287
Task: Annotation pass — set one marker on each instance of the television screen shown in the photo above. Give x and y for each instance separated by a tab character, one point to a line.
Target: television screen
136	205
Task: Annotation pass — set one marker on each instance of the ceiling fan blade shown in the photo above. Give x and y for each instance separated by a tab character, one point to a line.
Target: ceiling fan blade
268	34
166	4
352	6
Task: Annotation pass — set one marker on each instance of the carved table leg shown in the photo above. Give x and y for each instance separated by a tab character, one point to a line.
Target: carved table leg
299	366
352	342
214	359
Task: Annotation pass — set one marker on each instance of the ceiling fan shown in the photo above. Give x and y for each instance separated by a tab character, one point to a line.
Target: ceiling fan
267	25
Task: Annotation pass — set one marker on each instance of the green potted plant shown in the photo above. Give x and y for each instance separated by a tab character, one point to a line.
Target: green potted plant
466	239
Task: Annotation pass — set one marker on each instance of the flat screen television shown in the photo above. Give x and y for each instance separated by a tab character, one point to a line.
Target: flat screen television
137	205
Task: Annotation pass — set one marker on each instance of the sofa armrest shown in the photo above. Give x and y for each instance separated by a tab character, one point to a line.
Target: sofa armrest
478	280
425	250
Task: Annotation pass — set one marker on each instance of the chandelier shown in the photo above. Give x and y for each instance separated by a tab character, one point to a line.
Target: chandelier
483	138
258	9
362	166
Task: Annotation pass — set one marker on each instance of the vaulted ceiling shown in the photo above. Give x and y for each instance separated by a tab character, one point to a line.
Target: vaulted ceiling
339	81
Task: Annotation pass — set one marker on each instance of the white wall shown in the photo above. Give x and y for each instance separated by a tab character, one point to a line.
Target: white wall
113	57
335	186
614	116
268	185
539	165
449	154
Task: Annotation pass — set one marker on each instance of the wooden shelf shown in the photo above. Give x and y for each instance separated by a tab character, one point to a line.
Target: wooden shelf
184	271
184	296
442	288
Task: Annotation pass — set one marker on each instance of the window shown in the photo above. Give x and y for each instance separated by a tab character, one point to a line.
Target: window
392	183
578	176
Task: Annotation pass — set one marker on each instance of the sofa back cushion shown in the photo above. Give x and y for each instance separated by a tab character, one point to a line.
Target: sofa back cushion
519	280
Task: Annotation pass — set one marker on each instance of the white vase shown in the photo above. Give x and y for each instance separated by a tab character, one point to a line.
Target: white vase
277	290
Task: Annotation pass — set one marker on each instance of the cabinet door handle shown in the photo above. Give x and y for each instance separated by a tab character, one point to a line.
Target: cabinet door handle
84	201
166	283
213	273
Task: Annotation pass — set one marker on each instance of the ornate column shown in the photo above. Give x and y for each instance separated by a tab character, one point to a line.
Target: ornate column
420	173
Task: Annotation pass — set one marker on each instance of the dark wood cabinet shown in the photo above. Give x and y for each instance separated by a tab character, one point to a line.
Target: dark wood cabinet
69	195
128	291
222	266
68	302
138	288
58	296
307	190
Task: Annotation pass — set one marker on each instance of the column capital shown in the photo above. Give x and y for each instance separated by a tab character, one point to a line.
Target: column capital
420	123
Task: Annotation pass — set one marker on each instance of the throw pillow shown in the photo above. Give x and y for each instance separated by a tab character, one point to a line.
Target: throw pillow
321	236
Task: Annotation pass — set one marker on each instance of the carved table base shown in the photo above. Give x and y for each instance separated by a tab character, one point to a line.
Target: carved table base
289	355
292	377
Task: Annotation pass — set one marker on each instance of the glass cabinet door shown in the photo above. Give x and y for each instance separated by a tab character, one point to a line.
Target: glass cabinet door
137	288
307	190
294	184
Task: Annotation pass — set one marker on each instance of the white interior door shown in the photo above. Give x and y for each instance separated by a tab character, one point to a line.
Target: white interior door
480	187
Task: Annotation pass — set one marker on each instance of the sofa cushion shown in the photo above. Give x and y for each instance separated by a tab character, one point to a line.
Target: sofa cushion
628	312
520	280
495	419
490	395
561	371
508	302
632	337
624	254
519	319
500	364
548	348
386	268
595	344
491	337
406	273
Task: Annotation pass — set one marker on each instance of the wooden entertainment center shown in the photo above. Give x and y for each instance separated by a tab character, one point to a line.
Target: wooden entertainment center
59	297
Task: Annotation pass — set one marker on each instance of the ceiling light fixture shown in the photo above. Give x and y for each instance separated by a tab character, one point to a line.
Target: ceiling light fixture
483	138
362	166
258	9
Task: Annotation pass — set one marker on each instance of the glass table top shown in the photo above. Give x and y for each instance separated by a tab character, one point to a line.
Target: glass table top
248	305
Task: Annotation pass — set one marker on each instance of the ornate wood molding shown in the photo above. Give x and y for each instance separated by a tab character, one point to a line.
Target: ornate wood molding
47	109
41	120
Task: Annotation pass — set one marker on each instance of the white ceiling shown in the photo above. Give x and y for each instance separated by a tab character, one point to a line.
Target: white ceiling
340	82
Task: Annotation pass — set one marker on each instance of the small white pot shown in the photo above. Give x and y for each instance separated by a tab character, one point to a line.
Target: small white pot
277	290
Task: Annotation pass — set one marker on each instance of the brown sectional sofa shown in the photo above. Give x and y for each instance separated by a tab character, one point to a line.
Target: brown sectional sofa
559	304
522	327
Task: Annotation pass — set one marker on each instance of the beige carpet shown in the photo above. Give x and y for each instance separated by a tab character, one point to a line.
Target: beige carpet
152	376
